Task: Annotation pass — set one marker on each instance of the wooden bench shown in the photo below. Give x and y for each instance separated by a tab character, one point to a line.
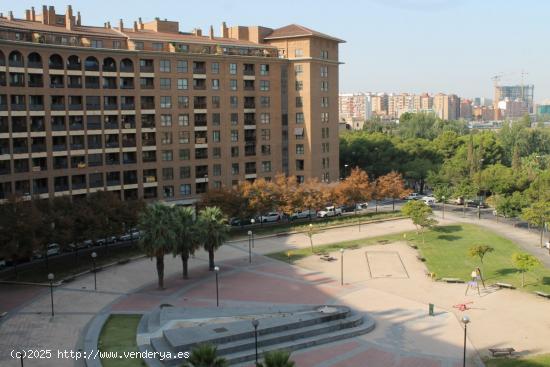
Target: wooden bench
505	285
542	294
413	246
420	258
501	351
452	280
328	258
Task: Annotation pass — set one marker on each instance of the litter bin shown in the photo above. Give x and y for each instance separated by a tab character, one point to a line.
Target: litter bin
431	309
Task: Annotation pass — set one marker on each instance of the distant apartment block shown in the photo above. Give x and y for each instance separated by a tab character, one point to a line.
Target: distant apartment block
148	111
355	106
519	93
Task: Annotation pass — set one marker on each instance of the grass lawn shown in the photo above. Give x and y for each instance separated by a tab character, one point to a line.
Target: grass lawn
119	335
537	361
446	254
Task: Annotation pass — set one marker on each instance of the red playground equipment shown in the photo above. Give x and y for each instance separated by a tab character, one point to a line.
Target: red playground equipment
462	306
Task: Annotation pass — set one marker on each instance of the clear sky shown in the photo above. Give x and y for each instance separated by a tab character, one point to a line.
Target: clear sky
392	45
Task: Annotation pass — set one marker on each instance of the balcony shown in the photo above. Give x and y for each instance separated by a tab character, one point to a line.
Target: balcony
34	64
111	125
57	106
74	66
199	70
36	107
94	125
92	85
61	188
128	106
58	127
38	148
74	85
249	72
76	107
146	68
111	144
40	189
59	147
20	149
129	143
76	126
18	106
147	106
113	182
93	107
129	160
3	107
77	146
249	105
199	105
79	185
110	106
57	85
36	84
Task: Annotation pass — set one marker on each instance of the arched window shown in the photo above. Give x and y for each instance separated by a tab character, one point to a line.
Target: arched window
2	59
91	64
16	59
126	65
109	64
74	63
56	62
34	60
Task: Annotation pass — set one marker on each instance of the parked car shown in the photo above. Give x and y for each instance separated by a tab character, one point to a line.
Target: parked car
330	211
476	203
236	222
2	263
105	241
458	201
53	249
429	200
348	208
413	196
304	214
270	217
362	206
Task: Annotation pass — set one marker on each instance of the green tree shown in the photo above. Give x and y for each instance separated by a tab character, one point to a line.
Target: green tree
277	358
538	214
420	214
214	229
205	355
158	224
524	262
188	236
480	251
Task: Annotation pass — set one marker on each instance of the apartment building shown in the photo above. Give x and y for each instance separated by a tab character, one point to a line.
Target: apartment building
148	111
447	106
354	106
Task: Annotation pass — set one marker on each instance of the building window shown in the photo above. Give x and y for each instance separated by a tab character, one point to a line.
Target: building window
117	45
234	119
325	147
324	71
324	117
234	168
324	133
324	54
234	101
217	152
264	69
325	163
166	120
158	46
183	119
215	84
264	85
184	154
216	119
300	118
299	85
215	67
299	102
266	134
185	189
264	118
167	155
165	102
298	69
96	44
215	101
324	86
265	101
181	66
266	149
184	137
167	173
234	136
324	102
217	170
166	138
168	191
165	83
183	84
298	52
233	69
164	66
299	148
266	166
216	136
185	172
233	84
183	102
138	45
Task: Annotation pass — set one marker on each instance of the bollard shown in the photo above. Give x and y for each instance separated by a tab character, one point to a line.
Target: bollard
431	309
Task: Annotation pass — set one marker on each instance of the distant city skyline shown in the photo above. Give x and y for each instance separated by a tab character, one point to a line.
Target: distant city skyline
411	46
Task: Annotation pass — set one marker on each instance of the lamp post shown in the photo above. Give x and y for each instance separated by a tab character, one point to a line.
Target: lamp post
443	214
465	320
252	222
479	212
94	255
341	266
216	270
255	323
346	170
250	247
50	279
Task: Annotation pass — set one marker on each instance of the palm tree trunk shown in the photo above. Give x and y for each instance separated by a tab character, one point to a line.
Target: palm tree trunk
211	259
184	258
160	270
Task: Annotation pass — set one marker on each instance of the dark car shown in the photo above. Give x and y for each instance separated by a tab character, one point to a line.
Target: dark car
236	222
476	203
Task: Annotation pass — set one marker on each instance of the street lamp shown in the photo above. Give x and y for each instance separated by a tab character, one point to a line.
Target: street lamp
255	323
216	270
94	255
51	278
250	247
346	170
341	266
443	199
465	320
252	222
479	212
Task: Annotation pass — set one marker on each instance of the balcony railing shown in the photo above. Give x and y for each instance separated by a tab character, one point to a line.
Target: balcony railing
110	106
60	147
59	188
200	106
147	106
75	106
128	106
57	106
34	64
36	107
38	84
146	68
18	106
199	70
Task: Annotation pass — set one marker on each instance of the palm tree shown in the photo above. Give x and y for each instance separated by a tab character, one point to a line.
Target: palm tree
215	231
277	358
188	236
157	224
205	356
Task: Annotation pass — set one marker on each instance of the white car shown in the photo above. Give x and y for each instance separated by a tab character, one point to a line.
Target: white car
413	196
303	214
53	249
270	217
330	211
429	200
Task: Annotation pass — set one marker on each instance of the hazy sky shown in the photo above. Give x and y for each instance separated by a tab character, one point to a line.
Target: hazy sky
392	45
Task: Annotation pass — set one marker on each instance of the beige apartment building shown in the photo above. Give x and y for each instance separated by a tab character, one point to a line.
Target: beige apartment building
447	106
148	111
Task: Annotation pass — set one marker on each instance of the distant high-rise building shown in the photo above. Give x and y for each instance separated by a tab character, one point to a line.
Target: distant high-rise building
466	109
515	93
380	104
355	106
447	106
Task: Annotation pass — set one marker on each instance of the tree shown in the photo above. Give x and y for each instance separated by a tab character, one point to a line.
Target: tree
214	229
524	262
311	230
420	214
480	251
261	195
205	355
538	214
188	236
277	358
354	189
158	224
391	186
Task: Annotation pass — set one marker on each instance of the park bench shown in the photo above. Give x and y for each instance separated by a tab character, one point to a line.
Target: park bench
413	246
420	258
501	351
452	280
327	258
505	285
542	294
